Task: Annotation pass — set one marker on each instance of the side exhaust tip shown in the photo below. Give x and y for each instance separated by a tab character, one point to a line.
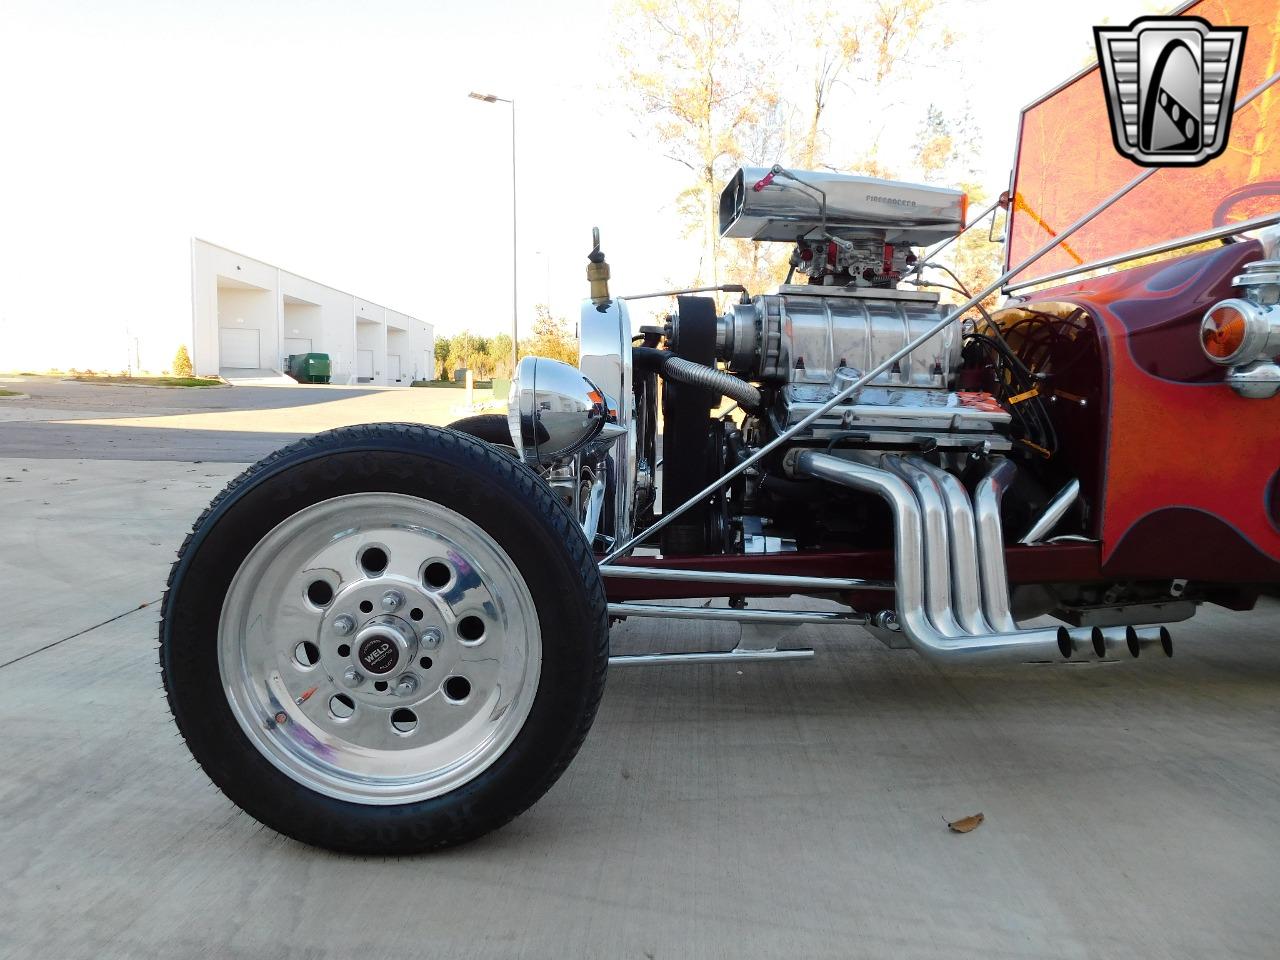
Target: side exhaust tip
1112	643
1075	642
1142	638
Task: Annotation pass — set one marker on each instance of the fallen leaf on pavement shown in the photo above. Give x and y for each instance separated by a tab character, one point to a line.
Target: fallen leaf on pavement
967	824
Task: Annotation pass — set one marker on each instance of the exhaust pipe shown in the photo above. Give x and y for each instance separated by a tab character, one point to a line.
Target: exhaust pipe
995	578
1114	643
936	554
1081	642
962	536
916	553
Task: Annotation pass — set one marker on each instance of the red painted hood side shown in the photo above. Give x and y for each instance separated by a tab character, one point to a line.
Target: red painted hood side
1189	467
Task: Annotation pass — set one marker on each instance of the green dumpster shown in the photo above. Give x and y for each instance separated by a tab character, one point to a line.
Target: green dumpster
309	367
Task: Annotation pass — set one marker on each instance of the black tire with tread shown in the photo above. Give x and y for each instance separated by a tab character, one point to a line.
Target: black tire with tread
502	496
489	427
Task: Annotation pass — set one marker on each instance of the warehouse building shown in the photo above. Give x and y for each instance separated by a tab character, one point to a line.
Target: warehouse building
248	317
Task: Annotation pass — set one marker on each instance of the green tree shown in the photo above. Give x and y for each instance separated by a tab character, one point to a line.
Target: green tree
443	345
500	355
550	338
182	362
463	350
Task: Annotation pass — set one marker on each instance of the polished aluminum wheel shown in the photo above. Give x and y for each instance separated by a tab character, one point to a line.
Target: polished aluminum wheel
379	648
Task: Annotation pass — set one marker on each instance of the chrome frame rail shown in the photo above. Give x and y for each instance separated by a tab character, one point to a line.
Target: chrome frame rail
794	618
758	642
709	656
729	578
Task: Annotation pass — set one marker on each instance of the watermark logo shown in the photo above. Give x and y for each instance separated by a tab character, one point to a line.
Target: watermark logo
1171	88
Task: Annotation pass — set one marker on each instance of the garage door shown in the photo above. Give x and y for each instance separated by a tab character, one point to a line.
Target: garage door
393	367
238	348
294	345
364	364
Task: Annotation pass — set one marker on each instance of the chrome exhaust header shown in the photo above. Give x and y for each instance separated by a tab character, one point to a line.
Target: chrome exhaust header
962	536
928	524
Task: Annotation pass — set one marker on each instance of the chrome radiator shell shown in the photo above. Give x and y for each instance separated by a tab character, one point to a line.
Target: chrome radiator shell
604	357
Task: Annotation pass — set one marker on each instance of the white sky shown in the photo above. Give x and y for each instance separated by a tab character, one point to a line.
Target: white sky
336	140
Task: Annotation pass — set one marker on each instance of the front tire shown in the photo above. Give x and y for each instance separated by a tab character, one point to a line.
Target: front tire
384	639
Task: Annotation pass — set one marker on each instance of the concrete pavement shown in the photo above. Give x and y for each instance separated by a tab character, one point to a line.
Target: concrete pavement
67	419
84	541
1132	810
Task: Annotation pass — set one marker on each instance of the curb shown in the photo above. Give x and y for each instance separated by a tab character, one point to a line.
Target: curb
148	386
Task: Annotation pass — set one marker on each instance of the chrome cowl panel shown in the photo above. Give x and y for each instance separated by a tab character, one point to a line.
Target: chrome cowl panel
553	411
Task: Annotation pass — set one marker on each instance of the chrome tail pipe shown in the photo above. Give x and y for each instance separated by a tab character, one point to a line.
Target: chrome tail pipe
1082	643
1155	639
952	593
1118	643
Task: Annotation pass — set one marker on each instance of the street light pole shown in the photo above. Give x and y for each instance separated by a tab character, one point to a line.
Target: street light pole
515	308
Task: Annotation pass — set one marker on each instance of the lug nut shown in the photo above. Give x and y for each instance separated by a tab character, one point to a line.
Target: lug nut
431	637
353	677
343	625
391	600
406	685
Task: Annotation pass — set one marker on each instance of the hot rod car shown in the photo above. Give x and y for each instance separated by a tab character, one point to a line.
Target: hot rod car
394	637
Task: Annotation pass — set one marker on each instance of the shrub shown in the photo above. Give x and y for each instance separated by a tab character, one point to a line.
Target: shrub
182	362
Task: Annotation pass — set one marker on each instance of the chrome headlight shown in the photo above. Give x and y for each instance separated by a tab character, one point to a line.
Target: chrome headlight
554	411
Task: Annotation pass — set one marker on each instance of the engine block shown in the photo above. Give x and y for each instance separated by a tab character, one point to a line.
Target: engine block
813	341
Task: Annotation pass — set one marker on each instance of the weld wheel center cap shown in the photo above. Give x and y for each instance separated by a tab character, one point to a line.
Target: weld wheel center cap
383	644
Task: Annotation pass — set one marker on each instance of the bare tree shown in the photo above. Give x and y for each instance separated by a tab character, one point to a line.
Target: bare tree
725	82
946	154
699	75
862	46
